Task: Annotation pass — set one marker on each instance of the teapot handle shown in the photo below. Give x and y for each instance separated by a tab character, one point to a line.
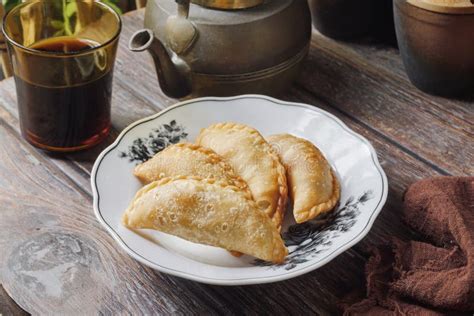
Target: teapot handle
180	31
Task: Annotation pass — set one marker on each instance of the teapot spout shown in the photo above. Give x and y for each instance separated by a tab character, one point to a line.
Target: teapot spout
174	75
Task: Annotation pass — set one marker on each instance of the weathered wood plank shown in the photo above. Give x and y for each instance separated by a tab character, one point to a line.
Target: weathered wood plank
31	202
228	299
60	260
393	152
12	119
401	168
388	58
391	106
331	276
361	81
126	108
34	212
86	162
15	203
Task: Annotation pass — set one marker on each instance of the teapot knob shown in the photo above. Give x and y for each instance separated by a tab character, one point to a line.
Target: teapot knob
180	32
183	8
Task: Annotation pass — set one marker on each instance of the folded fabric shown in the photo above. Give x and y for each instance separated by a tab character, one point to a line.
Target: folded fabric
434	276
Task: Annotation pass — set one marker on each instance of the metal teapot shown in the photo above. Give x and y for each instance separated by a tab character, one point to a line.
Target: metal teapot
225	47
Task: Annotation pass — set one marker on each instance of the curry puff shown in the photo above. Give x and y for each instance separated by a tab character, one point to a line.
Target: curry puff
253	159
188	160
313	185
209	212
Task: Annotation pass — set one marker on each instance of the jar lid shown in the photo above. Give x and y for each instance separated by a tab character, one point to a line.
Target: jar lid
445	6
228	4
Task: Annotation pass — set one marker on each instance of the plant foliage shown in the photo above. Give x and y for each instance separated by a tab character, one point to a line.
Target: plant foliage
9	4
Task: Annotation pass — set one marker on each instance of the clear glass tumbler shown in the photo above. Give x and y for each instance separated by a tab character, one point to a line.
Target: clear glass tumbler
63	54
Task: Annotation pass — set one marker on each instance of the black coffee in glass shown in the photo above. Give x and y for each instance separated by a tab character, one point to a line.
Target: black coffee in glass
65	117
63	71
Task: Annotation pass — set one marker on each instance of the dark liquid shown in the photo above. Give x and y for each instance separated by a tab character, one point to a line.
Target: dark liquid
65	118
64	45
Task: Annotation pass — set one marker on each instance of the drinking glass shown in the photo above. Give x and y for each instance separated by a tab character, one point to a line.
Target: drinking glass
63	55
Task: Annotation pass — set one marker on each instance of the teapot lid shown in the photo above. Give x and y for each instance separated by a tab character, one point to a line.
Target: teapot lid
228	4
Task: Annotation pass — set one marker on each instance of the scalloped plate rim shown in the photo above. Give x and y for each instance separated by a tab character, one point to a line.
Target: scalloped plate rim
246	281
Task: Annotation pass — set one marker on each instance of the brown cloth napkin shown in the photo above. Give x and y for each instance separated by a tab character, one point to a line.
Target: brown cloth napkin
430	277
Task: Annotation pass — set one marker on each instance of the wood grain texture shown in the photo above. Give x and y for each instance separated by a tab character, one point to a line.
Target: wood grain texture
59	246
57	258
391	106
60	260
391	150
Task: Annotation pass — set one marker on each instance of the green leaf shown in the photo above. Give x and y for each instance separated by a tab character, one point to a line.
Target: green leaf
71	9
57	24
10	4
114	5
59	33
67	22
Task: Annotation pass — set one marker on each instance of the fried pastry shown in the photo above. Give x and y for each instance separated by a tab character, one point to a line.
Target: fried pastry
188	160
312	183
253	159
209	212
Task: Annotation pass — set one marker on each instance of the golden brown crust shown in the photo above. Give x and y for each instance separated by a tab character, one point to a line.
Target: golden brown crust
188	160
218	182
279	215
314	187
206	211
254	161
323	207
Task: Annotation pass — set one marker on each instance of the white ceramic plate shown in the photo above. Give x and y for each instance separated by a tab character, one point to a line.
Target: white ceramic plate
311	245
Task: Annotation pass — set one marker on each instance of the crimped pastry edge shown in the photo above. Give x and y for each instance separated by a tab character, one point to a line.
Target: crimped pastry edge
281	171
279	253
147	188
236	179
221	183
321	208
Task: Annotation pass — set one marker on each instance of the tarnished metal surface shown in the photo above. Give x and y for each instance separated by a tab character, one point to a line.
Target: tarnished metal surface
255	50
228	4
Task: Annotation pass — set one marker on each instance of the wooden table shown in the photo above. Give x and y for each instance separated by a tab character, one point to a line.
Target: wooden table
56	258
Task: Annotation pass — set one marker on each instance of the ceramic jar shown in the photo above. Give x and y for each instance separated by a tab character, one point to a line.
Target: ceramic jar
437	46
349	19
